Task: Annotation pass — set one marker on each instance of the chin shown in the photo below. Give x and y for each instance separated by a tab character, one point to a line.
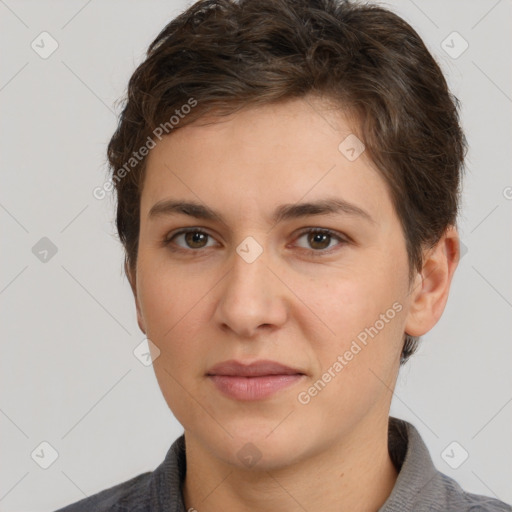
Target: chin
258	445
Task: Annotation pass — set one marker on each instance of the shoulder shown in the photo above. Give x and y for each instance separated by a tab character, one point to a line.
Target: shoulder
154	490
133	495
457	499
420	486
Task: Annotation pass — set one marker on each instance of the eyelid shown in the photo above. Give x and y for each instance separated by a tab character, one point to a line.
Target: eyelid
335	234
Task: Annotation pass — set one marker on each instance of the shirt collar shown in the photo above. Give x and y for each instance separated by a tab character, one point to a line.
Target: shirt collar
412	460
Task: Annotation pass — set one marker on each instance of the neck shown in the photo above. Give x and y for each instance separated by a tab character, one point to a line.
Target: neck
354	475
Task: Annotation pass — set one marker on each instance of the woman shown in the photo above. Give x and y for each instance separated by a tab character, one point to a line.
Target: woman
288	179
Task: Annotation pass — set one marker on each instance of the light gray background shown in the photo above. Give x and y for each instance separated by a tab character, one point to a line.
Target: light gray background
68	326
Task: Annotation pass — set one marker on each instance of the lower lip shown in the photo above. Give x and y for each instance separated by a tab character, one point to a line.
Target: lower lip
253	388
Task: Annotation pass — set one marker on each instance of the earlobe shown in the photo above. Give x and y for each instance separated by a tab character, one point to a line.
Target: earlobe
132	279
429	294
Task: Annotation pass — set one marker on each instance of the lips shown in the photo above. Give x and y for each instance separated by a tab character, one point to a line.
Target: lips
255	381
256	369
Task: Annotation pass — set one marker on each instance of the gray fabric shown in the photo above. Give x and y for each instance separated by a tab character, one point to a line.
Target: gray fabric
420	487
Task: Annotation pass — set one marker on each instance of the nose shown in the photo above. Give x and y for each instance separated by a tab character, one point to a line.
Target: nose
252	298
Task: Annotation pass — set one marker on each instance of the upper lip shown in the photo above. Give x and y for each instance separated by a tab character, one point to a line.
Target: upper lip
255	369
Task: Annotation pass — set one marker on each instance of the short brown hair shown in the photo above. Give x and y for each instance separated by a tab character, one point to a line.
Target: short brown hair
227	54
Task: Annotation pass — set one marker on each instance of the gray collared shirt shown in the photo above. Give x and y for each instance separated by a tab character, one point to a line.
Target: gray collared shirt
420	487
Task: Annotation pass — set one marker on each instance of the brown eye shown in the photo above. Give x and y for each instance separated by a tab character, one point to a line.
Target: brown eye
195	239
189	239
319	241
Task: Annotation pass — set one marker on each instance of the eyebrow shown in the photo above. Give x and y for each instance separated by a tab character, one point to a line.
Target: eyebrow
168	207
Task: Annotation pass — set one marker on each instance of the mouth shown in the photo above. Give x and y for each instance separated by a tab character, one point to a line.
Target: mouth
261	368
255	381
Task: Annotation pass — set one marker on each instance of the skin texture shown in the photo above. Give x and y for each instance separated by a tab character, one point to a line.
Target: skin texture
206	304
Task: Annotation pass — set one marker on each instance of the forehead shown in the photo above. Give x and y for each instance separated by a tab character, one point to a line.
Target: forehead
263	156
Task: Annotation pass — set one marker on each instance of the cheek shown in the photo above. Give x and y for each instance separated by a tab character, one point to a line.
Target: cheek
366	316
356	366
168	296
351	301
173	307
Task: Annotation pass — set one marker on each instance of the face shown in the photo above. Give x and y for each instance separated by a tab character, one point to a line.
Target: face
324	292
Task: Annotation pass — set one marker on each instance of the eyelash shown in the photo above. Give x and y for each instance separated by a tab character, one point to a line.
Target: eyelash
315	253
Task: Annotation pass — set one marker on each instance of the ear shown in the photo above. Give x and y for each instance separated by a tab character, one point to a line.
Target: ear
429	293
132	279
